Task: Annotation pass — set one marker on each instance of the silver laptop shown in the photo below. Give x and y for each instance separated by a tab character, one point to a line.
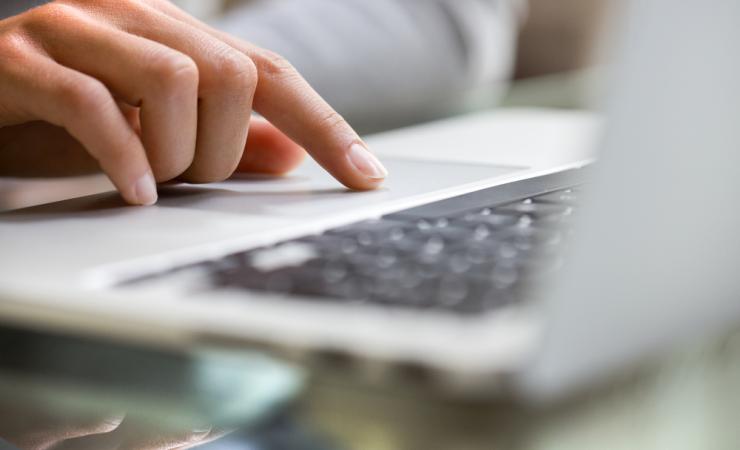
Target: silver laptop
471	278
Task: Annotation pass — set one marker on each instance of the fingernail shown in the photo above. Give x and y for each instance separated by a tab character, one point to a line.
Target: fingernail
146	190
202	431
367	163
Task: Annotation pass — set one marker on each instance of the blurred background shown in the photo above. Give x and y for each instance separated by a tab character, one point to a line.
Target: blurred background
556	37
393	63
555	48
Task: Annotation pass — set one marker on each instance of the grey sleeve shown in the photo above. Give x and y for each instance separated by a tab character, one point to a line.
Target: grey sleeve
387	63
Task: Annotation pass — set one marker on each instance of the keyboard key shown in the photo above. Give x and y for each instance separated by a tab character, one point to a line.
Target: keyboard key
535	209
377	228
568	196
490	219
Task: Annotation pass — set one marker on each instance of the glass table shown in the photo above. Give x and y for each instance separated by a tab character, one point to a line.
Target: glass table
66	392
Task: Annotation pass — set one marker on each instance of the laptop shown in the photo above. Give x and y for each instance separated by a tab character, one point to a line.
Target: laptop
473	279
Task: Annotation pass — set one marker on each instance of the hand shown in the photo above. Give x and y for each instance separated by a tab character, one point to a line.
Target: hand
148	93
30	428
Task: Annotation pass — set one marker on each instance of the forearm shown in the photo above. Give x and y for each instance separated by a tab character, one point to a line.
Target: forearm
389	62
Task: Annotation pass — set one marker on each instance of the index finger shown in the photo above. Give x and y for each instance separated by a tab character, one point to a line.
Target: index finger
287	100
292	105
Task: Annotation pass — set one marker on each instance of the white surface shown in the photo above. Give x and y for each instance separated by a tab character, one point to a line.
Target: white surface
537	138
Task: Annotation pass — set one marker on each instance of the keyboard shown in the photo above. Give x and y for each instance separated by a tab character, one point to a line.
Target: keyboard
466	255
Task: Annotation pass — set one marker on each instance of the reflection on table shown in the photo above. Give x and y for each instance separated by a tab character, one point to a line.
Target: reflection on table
110	395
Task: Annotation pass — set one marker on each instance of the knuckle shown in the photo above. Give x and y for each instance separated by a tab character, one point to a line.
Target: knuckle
272	64
236	69
51	15
13	47
174	71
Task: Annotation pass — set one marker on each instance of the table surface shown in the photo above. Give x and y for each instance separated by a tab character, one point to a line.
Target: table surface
685	401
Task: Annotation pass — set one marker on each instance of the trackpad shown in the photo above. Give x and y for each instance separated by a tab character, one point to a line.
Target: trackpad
310	191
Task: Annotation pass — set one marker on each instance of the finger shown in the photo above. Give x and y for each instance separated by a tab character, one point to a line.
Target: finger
27	428
157	441
162	82
227	79
139	435
290	103
269	150
45	90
